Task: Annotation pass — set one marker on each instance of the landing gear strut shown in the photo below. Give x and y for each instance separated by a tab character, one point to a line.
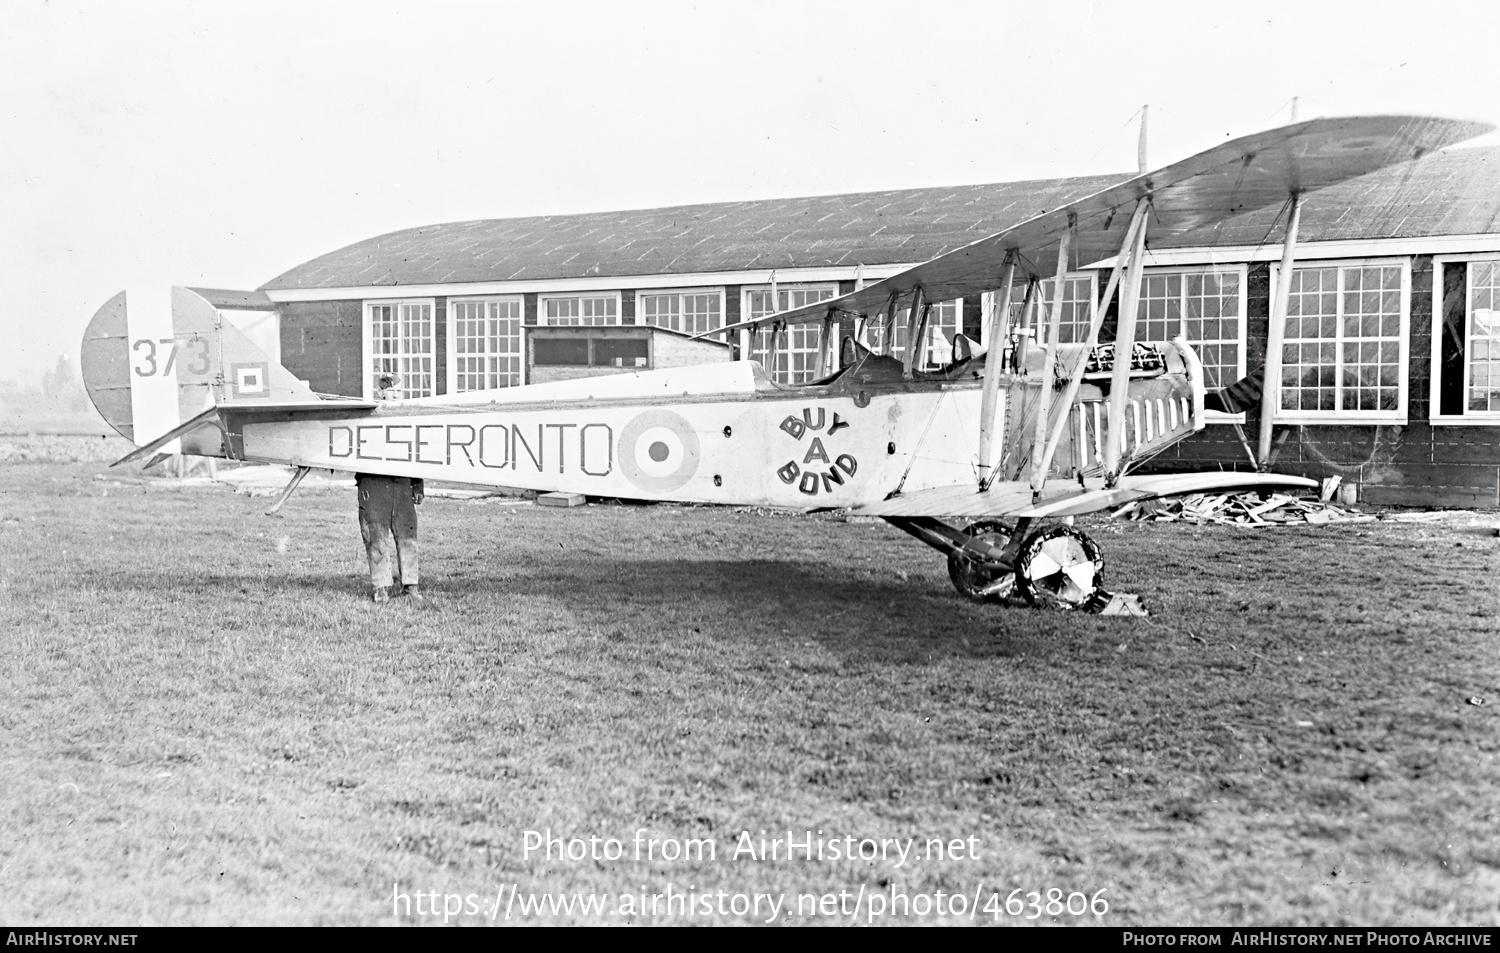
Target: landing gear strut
975	567
1059	567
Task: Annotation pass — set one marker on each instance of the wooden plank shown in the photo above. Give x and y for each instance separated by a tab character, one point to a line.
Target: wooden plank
1274	502
561	499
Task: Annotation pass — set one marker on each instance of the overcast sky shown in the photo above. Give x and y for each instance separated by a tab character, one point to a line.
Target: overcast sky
218	144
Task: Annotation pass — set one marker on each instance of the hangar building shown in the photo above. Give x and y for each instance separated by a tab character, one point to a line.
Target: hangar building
1391	363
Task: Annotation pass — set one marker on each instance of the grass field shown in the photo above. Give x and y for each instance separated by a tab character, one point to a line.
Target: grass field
206	722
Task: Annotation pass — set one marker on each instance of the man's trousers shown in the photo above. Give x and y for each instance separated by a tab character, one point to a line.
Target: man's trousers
388	523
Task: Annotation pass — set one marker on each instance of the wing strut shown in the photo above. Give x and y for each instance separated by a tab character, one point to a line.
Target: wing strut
1049	362
1119	382
916	320
1128	252
1270	392
888	325
994	358
1034	316
829	348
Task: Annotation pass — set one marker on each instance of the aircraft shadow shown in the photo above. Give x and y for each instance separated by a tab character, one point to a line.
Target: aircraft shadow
859	614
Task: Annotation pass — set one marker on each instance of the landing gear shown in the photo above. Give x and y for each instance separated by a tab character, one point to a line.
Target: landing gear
972	573
1060	568
1055	568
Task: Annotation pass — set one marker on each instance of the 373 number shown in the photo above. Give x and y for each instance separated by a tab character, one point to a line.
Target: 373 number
149	362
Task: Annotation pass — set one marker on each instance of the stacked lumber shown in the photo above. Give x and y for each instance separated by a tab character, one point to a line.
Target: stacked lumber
1245	509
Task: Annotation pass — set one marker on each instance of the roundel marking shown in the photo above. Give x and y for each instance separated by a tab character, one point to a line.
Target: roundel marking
658	451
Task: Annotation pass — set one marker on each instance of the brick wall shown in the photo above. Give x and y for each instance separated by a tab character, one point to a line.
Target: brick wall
321	344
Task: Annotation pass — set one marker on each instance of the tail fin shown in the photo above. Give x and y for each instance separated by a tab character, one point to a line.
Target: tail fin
153	361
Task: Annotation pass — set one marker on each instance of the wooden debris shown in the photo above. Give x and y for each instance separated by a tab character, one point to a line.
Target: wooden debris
1242	509
1330	485
561	499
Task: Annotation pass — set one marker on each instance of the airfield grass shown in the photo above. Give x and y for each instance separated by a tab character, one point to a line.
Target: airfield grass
205	721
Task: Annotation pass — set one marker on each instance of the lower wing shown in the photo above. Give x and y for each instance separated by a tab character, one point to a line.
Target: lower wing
1015	499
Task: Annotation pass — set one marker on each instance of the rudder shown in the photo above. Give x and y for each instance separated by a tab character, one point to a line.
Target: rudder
151	362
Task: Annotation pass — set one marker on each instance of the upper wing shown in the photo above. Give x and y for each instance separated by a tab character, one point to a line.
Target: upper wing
1231	179
1015	499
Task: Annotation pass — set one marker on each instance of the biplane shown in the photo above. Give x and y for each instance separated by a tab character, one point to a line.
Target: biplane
983	458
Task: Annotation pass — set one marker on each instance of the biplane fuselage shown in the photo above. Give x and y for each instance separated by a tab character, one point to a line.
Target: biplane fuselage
725	433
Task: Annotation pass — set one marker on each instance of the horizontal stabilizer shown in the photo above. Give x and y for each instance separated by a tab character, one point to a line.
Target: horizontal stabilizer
285	406
206	419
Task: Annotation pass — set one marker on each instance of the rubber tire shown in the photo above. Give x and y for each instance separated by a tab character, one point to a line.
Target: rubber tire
968	578
1055	593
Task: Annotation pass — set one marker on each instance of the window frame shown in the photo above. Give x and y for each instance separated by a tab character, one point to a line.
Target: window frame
543	298
1403	349
1242	269
367	340
679	293
747	336
1044	304
1478	418
931	343
451	344
991	300
903	321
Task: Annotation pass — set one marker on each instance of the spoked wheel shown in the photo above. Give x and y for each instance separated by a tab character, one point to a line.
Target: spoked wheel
1060	568
971	575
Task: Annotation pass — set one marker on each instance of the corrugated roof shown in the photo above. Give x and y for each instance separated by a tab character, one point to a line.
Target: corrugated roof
1456	192
1448	193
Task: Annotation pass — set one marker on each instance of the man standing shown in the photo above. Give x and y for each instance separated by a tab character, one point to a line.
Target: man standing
388	518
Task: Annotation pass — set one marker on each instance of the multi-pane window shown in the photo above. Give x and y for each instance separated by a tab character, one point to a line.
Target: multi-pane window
1342	350
943	322
485	341
791	355
1205	306
1077	308
401	343
581	310
1482	390
691	312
